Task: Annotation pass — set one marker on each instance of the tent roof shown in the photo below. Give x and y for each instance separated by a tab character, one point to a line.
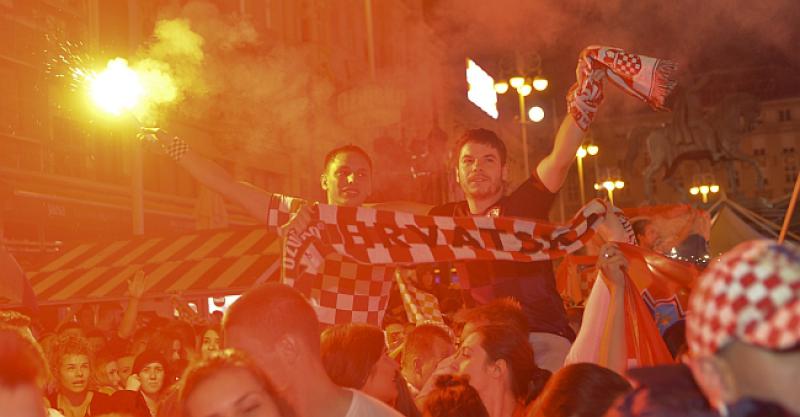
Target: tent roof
214	262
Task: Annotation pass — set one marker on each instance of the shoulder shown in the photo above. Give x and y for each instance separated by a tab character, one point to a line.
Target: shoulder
362	405
447	209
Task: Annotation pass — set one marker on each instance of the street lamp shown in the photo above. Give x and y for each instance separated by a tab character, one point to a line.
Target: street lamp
610	185
524	87
704	190
583	152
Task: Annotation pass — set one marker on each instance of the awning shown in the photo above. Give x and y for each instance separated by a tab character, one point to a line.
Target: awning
214	262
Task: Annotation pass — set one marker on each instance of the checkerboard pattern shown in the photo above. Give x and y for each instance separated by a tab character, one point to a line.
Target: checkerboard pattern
751	293
345	263
421	306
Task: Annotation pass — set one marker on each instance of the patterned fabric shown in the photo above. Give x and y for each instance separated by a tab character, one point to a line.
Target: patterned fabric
342	259
421	306
752	294
649	79
176	149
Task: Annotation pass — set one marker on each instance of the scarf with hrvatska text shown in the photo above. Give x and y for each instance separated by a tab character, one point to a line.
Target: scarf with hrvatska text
327	260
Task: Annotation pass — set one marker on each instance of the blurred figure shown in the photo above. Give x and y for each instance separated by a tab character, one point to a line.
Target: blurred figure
145	387
71	364
106	372
279	330
425	346
210	341
22	374
228	384
646	234
580	390
355	356
500	364
125	367
743	328
454	397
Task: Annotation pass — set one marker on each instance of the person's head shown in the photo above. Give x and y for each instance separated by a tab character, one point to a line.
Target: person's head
503	311
22	374
70	329
85	316
645	233
355	356
425	346
481	163
150	365
125	367
347	179
71	363
454	397
106	371
743	325
140	339
228	384
210	341
498	356
109	316
278	329
96	339
580	390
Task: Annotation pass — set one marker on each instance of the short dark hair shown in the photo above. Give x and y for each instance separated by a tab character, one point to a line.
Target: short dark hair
454	397
504	310
639	226
350	352
273	310
509	344
346	148
483	137
582	389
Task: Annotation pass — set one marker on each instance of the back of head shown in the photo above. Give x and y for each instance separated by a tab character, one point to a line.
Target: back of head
350	352
580	390
22	360
421	339
483	137
500	311
454	397
512	346
272	311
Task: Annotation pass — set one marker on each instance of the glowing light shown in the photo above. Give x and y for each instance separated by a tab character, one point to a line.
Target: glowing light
592	149
117	88
619	184
517	82
608	185
481	89
536	114
714	188
581	153
501	87
694	190
597	186
540	84
703	189
525	90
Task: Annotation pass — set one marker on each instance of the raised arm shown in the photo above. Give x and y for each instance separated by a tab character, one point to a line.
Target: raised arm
553	169
253	200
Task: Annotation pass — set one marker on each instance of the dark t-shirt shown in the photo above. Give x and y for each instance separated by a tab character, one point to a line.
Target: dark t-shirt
531	283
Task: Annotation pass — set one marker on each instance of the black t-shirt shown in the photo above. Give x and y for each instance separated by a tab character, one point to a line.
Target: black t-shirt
533	284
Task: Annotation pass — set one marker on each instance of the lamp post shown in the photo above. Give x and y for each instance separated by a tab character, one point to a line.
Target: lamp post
610	186
704	190
583	152
524	87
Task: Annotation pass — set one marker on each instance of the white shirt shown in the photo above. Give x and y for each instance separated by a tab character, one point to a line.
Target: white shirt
362	405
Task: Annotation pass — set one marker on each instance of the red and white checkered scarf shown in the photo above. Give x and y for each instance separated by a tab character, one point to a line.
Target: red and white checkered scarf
365	236
646	78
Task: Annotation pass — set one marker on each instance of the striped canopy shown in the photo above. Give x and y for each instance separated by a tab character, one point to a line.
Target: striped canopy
205	263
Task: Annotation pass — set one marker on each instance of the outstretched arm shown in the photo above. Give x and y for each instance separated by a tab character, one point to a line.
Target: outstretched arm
553	169
253	200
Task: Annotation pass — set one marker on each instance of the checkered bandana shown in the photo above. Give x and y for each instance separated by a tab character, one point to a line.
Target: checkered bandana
751	293
367	240
648	79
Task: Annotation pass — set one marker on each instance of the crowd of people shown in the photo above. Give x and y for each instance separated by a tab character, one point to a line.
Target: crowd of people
509	352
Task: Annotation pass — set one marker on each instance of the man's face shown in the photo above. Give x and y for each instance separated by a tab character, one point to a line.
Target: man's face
418	371
152	378
347	180
112	371
124	365
649	238
74	373
480	172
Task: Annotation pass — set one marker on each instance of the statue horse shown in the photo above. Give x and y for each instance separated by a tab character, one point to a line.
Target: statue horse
716	137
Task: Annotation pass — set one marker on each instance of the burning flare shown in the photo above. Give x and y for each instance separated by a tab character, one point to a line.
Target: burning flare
116	89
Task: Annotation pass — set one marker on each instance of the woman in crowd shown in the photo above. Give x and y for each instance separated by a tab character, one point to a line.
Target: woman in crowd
355	356
580	390
227	384
454	397
499	362
209	342
71	364
146	386
106	372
